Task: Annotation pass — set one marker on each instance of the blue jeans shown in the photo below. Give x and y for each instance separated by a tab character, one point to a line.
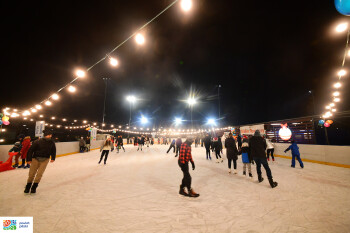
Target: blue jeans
298	158
263	161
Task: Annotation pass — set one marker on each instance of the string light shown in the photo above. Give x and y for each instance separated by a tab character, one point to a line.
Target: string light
38	106
336	93
114	62
80	73
33	110
342	72
55	97
336	100
341	27
186	5
337	85
48	103
331	104
140	39
71	88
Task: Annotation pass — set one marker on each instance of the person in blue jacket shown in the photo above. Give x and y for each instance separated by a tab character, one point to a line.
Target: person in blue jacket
295	154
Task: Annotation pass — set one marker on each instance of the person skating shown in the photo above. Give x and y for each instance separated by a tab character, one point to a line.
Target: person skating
295	154
216	147
105	148
231	152
38	157
172	145
270	150
239	141
82	145
24	151
120	143
185	157
178	145
88	141
246	158
257	147
207	144
16	148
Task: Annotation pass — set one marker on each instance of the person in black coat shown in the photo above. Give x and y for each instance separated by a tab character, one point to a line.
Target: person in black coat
231	153
207	144
257	146
217	148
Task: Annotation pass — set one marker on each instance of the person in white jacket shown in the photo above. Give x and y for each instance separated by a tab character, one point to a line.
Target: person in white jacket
105	148
269	150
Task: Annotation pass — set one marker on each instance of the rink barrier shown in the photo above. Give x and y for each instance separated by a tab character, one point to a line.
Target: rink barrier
315	161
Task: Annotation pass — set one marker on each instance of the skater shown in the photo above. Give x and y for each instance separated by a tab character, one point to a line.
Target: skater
270	150
16	148
141	142
185	157
120	143
239	141
105	148
82	145
207	144
178	145
147	141
257	147
246	158
172	145
38	157
231	153
88	144
24	151
295	154
217	148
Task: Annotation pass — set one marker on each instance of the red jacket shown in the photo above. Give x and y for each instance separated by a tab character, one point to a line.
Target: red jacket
25	147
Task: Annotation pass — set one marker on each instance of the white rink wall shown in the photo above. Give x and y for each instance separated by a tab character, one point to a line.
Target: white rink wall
321	153
61	147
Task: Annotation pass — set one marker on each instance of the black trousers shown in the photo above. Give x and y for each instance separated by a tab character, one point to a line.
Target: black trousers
82	148
270	151
187	179
120	146
262	161
104	153
234	163
171	146
217	154
177	150
207	151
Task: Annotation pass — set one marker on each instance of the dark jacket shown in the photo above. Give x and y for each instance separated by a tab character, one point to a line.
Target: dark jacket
257	147
207	141
16	148
120	141
216	145
239	140
178	142
231	149
43	147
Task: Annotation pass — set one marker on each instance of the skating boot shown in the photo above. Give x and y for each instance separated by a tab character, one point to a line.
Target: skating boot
260	179
273	160
27	188
209	158
244	173
33	190
235	171
28	166
217	161
272	183
182	191
222	160
229	170
22	166
191	193
250	175
292	166
268	159
16	165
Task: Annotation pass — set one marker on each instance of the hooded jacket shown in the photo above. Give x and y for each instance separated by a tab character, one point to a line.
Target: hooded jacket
257	147
295	149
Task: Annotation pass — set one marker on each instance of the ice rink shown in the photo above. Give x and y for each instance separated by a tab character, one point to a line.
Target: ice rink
138	192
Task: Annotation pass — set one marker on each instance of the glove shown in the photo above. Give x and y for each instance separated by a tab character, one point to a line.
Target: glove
285	151
193	166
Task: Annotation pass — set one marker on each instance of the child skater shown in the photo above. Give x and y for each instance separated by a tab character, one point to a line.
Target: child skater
295	154
246	158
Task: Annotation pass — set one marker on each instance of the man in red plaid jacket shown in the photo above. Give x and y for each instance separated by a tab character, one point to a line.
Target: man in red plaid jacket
185	157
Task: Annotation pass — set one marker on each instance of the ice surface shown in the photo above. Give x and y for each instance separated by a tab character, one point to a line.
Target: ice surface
138	192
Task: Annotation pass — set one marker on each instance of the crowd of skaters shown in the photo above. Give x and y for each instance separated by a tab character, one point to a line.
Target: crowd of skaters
37	153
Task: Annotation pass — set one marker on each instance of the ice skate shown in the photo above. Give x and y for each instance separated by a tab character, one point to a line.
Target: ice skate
244	173
260	179
222	160
191	193
250	175
272	183
27	188
217	161
229	170
182	191
22	166
235	171
33	190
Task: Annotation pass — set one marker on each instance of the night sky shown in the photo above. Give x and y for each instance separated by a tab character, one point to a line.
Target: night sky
266	55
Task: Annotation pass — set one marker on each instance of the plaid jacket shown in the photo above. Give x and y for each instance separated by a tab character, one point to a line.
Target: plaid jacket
185	154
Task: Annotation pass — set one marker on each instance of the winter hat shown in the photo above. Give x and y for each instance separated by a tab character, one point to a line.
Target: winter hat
257	133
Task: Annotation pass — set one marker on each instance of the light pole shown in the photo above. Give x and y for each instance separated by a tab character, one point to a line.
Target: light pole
131	99
191	101
219	86
104	103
